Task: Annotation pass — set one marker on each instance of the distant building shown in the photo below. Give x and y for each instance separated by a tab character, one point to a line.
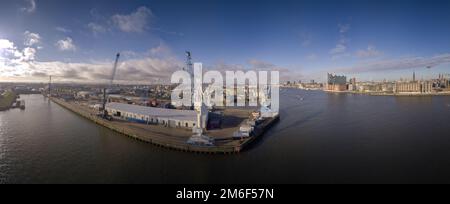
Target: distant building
84	94
336	83
310	86
413	87
443	81
387	87
352	85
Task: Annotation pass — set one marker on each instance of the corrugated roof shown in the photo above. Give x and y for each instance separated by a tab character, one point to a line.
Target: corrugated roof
186	115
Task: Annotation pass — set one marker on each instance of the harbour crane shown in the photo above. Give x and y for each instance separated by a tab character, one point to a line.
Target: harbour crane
113	74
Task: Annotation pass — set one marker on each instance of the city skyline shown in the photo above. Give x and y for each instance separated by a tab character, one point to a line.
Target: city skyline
303	40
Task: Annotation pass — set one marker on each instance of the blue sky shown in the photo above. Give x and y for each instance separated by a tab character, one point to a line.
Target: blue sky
77	40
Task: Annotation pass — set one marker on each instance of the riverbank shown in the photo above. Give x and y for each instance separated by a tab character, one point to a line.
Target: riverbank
6	100
446	93
172	138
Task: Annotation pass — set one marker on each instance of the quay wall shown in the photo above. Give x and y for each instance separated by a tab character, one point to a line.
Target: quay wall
156	139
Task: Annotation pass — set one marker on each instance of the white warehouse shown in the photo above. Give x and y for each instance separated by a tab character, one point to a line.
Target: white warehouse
151	115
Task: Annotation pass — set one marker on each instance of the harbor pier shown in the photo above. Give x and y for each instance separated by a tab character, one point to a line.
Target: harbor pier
171	138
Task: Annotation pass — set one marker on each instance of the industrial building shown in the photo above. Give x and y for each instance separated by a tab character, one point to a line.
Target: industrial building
151	115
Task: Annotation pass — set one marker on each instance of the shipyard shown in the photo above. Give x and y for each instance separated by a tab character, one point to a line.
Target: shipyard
224	92
147	113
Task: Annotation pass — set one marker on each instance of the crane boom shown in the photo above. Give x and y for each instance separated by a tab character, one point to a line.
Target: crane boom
105	113
114	70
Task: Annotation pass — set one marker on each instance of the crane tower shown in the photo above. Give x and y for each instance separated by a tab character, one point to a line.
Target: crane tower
105	113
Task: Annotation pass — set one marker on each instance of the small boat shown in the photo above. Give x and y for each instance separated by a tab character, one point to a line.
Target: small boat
22	104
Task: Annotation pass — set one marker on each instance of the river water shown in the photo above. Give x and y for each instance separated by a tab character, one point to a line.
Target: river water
324	138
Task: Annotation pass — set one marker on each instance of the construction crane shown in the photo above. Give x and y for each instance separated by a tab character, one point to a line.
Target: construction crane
113	74
50	86
190	70
50	83
189	63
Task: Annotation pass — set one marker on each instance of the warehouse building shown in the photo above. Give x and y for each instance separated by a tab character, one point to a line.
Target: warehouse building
151	115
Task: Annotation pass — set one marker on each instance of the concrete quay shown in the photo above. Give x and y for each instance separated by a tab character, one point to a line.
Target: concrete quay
170	138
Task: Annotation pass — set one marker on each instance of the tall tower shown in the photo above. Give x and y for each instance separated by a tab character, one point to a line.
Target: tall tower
189	63
50	86
190	70
414	76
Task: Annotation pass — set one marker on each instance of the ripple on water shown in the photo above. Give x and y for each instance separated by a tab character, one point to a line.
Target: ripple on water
326	138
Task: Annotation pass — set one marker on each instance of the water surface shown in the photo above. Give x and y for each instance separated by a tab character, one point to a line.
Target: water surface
325	138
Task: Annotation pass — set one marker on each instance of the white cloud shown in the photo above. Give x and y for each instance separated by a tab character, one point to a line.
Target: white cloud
371	51
259	64
12	59
398	64
31	38
340	50
9	54
63	30
66	44
134	22
22	66
96	28
343	28
161	50
6	44
31	7
284	73
29	54
145	70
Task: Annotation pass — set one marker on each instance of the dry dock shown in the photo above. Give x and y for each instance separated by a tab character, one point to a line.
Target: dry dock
171	138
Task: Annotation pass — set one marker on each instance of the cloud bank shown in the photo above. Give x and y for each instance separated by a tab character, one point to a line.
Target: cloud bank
398	64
